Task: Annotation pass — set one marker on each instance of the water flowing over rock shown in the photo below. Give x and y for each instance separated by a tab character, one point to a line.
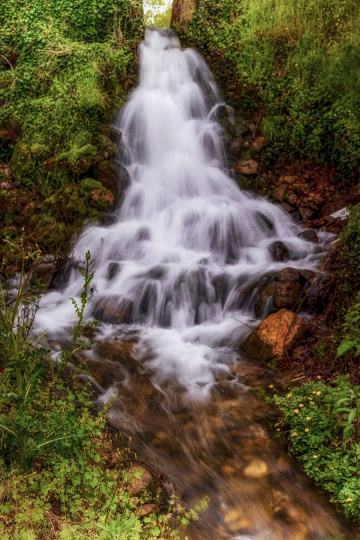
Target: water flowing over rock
186	242
177	277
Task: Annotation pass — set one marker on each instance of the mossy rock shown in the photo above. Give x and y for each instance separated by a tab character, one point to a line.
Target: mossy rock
88	184
21	161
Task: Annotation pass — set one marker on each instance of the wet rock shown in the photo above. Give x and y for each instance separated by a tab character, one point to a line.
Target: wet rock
318	294
248	372
113	269
140	479
227	470
143	234
289	275
236	148
308	276
42	275
265	223
62	274
309	236
116	350
248	168
305	212
279	252
113	310
277	335
283	294
256	469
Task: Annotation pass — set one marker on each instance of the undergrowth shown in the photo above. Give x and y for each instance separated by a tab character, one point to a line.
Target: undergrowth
322	424
60	476
64	70
297	63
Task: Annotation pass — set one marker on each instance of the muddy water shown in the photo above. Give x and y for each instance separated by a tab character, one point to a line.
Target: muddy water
177	275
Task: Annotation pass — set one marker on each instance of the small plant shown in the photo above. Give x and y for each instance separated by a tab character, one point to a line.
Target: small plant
322	425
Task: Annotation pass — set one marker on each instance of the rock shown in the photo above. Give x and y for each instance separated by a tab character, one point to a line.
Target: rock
146	510
305	212
113	269
227	470
309	236
283	294
248	168
42	275
112	176
256	469
275	336
280	193
308	276
259	143
236	148
140	479
279	252
182	14
113	309
116	350
292	199
289	275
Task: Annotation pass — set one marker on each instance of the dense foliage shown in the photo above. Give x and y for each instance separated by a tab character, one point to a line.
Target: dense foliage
63	73
295	61
322	423
60	476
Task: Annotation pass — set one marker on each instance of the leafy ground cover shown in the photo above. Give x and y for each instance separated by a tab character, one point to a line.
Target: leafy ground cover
297	63
60	475
322	424
64	71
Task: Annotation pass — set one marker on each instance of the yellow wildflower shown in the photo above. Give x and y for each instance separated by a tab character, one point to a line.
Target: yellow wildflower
294	434
315	457
349	500
306	430
318	393
308	418
296	411
271	386
301	405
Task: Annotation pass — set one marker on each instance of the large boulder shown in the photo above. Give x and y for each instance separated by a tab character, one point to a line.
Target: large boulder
277	335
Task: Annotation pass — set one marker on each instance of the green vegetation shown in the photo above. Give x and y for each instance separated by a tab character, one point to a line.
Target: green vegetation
296	62
63	73
322	423
157	12
60	476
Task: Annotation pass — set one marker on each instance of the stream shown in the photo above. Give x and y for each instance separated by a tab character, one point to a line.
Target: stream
177	274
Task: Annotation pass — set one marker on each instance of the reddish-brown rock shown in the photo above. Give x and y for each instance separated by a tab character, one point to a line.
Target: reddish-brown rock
275	336
249	168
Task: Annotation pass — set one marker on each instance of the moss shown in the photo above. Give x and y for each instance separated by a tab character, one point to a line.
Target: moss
64	73
297	64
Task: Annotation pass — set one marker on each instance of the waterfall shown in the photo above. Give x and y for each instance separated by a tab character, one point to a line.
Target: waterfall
181	261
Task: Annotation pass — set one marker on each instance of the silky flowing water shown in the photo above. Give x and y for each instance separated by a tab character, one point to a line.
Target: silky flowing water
177	272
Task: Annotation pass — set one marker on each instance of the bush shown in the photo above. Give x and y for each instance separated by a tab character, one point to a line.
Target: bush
322	424
298	62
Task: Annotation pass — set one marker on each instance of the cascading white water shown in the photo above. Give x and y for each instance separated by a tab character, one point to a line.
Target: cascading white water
187	245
